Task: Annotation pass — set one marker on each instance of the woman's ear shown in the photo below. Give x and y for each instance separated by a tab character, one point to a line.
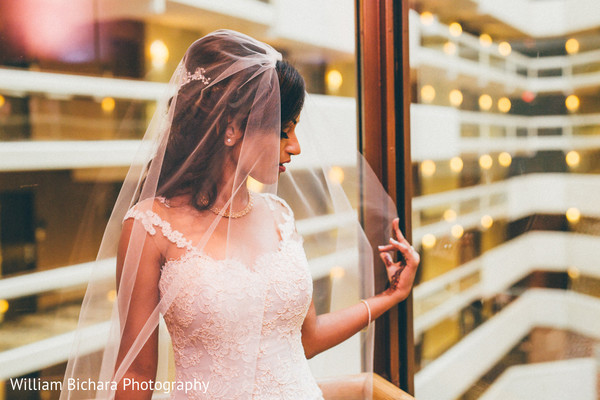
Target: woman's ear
230	138
232	134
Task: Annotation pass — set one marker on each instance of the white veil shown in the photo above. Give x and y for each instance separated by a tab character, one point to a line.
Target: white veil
213	148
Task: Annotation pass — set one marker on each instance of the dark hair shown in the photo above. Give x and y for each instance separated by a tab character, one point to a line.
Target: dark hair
194	122
291	90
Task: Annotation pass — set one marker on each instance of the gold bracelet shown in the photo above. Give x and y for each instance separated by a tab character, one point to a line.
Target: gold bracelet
369	311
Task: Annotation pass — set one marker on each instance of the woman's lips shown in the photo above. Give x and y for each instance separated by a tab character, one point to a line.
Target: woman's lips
281	168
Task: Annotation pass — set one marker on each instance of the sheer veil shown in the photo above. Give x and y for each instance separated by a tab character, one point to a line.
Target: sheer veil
209	164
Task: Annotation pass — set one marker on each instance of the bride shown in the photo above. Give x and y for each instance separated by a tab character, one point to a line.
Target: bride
222	263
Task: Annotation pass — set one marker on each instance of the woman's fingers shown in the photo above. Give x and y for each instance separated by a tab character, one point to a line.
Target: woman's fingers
387	259
398	232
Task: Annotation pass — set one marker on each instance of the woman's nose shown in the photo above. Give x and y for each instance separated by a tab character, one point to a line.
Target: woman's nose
293	146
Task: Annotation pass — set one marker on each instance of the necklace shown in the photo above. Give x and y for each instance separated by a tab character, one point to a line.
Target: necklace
228	214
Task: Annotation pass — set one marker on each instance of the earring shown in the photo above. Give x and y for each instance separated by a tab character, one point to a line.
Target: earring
228	140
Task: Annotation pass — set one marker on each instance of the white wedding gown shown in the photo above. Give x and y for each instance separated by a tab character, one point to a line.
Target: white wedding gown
237	327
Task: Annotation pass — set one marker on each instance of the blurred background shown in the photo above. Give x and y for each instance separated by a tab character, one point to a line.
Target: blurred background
505	132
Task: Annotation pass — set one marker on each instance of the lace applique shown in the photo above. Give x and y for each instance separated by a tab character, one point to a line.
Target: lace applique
239	326
150	219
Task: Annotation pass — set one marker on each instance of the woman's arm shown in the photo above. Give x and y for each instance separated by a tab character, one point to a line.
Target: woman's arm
322	332
144	299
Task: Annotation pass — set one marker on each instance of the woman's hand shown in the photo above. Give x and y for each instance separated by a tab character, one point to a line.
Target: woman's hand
401	273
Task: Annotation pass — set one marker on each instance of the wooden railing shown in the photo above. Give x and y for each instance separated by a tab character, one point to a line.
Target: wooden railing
357	387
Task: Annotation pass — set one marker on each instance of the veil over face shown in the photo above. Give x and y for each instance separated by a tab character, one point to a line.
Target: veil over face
209	165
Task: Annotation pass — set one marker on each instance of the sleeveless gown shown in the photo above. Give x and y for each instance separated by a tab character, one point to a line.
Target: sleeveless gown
235	327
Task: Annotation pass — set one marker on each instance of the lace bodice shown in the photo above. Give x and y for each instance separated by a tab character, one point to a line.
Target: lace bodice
234	326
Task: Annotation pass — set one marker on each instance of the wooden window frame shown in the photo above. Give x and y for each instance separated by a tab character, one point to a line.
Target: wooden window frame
383	97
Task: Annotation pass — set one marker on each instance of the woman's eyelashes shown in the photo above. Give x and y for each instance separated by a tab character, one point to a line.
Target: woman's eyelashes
284	135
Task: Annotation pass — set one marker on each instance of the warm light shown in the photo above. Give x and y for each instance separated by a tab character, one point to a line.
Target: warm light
572	46
456	97
253	185
505	159
573	272
3	306
455	29
504	104
111	295
108	104
427	168
573	215
572	102
457	231
427	93
159	53
573	158
334	80
485	102
528	96
504	48
485	161
337	272
456	164
336	174
449	215
485	40
487	221
428	241
449	48
2	101
426	18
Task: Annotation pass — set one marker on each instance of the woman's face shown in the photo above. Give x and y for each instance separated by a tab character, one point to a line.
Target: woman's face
289	145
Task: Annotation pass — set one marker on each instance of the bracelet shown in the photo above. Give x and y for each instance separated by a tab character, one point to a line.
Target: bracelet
369	311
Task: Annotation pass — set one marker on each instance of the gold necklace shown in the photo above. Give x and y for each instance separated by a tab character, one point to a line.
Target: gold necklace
238	214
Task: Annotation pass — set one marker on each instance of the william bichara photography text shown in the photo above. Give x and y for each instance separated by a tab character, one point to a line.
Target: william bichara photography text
37	384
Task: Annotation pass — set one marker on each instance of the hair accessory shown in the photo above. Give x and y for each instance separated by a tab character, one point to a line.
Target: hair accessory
369	311
198	75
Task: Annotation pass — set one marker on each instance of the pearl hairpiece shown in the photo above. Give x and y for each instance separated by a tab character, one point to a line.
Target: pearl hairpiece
198	75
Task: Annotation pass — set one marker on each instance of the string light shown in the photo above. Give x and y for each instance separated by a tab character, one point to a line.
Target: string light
449	48
573	158
456	97
504	104
572	102
455	29
485	40
487	221
485	161
449	215
573	215
504	159
428	168
159	53
334	80
456	164
426	18
485	102
2	101
427	93
457	231
572	46
336	174
428	241
504	49
108	104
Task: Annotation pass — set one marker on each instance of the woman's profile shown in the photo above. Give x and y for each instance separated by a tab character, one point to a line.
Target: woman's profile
203	239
